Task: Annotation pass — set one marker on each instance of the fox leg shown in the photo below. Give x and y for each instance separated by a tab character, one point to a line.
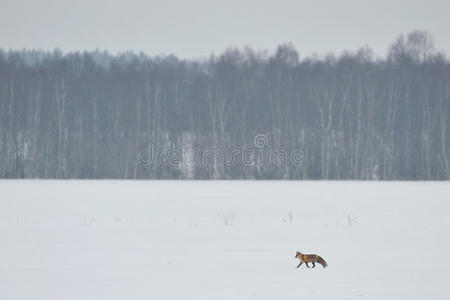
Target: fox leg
299	264
314	264
307	265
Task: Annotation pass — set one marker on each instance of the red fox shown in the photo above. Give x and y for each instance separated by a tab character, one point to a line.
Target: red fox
312	258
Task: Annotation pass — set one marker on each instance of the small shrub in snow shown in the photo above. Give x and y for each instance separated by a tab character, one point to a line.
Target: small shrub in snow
351	220
228	219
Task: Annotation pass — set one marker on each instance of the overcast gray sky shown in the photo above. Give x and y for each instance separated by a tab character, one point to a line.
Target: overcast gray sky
197	28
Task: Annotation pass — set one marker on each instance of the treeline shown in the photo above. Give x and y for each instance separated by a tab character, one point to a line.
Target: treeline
352	116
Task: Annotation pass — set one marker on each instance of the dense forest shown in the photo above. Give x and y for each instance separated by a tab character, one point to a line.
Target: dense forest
350	116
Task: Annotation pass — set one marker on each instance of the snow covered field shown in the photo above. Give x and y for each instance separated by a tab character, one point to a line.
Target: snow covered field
223	240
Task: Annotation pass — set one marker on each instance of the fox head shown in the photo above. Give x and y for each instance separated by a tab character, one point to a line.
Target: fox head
298	255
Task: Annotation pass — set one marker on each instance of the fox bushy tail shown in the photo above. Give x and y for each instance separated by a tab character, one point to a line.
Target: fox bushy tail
321	261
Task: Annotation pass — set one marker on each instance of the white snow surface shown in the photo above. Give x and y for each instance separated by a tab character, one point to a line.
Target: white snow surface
223	240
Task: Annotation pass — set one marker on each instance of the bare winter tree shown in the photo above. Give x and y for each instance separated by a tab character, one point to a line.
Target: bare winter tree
90	115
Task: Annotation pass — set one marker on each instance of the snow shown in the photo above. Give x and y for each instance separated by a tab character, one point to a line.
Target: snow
223	240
